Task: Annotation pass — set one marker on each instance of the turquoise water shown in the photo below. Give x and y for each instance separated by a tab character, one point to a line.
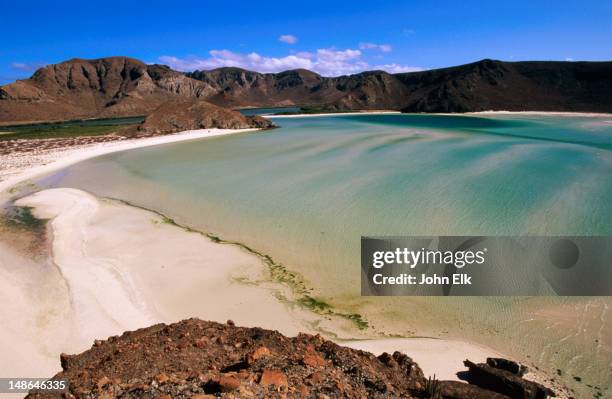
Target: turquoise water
305	193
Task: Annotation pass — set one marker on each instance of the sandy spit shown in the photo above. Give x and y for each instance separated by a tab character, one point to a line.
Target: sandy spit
116	268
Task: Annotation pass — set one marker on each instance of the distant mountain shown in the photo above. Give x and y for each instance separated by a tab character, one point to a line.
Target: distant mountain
121	86
367	90
512	86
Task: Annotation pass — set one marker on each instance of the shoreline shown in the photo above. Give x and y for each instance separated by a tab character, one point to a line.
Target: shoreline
61	158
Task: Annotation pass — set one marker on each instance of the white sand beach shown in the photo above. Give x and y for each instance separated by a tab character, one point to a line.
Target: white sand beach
17	167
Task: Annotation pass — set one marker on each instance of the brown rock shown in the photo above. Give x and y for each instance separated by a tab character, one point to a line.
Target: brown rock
257	354
102	382
202	342
302	390
508	365
228	383
388	360
65	360
505	382
313	360
461	390
273	377
315	378
161	378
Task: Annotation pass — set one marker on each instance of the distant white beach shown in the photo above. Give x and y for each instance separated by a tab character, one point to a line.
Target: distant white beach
18	167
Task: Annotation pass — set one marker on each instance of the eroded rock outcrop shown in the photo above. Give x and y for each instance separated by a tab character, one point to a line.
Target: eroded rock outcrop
195	357
179	115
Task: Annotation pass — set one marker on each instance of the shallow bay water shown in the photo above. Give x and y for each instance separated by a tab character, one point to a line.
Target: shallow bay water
306	192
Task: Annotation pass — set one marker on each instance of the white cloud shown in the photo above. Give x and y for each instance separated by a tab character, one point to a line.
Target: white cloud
326	61
27	67
396	68
330	62
251	61
569	59
288	39
385	48
366	46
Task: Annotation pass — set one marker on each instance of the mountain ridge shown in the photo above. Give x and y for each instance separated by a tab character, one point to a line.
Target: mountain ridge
124	86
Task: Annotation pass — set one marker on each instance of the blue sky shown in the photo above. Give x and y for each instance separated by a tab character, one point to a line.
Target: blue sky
330	37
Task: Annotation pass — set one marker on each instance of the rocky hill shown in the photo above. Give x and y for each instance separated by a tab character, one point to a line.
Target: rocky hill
185	114
512	86
121	86
106	87
198	359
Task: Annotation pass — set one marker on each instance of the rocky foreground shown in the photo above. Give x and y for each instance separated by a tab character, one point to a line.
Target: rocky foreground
200	359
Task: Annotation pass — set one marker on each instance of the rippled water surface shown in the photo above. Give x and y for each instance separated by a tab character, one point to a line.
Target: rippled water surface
305	193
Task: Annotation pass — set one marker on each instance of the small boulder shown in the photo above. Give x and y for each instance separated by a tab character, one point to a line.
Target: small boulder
102	382
505	382
161	378
461	390
508	365
273	377
313	360
228	383
202	342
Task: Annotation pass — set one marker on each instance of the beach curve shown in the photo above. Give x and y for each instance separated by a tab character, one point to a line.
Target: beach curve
60	159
